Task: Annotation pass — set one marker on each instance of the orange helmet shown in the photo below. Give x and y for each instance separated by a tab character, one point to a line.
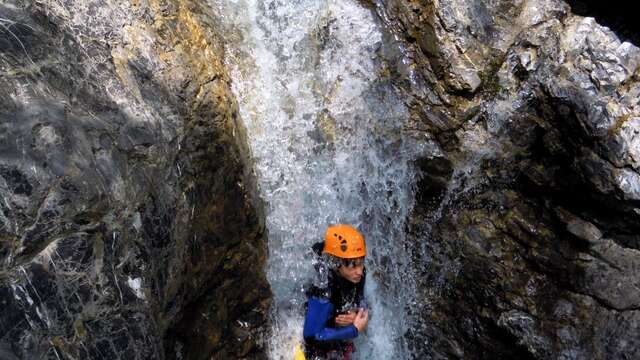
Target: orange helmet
344	241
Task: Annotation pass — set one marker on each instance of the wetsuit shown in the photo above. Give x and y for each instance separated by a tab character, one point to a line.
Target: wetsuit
323	339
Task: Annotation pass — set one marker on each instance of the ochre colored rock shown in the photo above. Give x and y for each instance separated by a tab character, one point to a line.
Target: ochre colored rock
128	214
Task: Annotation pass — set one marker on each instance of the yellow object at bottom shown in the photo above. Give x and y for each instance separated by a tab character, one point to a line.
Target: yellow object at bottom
298	353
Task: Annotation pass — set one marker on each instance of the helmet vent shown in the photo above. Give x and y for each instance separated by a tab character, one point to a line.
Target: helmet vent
344	241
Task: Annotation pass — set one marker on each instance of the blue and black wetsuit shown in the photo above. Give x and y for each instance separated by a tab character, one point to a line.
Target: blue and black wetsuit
323	339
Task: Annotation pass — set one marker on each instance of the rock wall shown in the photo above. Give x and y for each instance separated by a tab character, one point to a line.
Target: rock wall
129	228
530	212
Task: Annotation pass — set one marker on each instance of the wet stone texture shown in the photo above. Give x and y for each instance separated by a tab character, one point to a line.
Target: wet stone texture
129	228
529	218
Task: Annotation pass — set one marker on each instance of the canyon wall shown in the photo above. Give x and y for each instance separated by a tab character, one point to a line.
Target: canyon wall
129	224
530	214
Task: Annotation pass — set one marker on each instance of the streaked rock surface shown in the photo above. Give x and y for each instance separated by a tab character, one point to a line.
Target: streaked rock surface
129	228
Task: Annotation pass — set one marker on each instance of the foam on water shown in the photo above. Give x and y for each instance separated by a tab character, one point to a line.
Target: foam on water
325	130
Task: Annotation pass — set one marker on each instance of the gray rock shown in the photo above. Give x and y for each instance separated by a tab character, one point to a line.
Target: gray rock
523	326
609	275
627	144
119	148
584	230
629	182
542	228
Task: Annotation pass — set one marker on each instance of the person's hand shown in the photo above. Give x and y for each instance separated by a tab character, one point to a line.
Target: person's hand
361	320
346	319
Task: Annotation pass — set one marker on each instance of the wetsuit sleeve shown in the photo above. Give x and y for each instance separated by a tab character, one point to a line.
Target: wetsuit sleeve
318	315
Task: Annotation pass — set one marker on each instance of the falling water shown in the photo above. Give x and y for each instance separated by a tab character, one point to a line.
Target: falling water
325	129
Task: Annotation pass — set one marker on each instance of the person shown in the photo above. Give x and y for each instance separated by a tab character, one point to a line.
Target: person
336	311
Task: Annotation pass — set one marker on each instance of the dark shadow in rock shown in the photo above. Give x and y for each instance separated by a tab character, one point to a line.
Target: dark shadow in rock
434	180
618	15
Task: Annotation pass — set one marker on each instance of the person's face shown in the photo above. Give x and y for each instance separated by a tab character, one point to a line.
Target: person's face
352	269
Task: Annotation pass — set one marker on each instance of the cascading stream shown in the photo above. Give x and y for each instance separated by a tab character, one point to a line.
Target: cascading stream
325	129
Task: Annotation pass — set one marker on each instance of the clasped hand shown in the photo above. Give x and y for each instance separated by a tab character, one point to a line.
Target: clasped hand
358	319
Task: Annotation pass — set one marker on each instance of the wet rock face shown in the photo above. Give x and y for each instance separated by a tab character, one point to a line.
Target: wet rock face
531	212
127	218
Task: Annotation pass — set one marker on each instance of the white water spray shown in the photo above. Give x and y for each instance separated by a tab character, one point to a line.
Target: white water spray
324	126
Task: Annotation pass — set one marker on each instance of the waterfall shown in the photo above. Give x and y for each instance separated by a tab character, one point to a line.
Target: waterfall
325	131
